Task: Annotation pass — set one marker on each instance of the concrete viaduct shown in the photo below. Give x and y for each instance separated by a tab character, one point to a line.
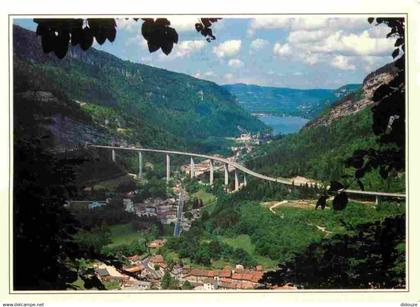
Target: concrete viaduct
226	163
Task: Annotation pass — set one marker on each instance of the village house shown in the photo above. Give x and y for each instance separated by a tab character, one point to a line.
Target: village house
238	278
102	274
144	285
106	272
134	259
157	260
151	275
135	269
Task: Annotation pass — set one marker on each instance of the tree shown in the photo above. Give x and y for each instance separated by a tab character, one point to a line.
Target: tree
41	224
168	282
58	34
187	285
370	256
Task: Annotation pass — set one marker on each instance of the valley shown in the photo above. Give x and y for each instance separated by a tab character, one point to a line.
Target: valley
158	180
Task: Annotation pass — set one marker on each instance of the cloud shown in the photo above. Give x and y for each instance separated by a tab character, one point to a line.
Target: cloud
129	25
227	48
258	43
305	36
308	23
371	63
228	77
342	62
370	42
235	63
179	23
342	49
282	50
136	40
185	48
310	58
204	74
183	23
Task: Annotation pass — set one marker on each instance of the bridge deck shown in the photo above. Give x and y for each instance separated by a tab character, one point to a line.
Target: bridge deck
241	168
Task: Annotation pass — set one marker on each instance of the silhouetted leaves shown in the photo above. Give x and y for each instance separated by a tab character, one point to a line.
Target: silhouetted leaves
359	173
159	35
204	27
340	201
335	186
57	34
322	202
361	186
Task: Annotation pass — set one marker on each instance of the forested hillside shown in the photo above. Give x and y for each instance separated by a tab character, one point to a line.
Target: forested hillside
307	103
130	103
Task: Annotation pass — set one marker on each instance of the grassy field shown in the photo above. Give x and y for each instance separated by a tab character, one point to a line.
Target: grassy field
244	241
124	234
112	184
206	197
355	213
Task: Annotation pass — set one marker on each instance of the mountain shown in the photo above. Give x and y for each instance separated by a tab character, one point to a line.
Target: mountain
319	150
122	101
287	101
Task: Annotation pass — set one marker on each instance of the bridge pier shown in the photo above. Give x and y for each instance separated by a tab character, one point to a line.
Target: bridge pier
245	181
168	168
211	172
140	164
377	200
192	173
226	174
236	180
113	155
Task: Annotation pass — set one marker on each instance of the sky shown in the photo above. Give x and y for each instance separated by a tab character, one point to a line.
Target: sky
297	52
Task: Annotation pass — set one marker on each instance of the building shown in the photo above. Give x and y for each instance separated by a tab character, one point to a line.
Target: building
128	205
157	260
225	279
102	274
134	259
135	269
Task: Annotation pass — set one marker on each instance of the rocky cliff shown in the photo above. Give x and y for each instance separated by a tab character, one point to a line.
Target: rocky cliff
356	101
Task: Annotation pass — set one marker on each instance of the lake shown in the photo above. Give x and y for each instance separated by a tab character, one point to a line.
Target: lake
283	124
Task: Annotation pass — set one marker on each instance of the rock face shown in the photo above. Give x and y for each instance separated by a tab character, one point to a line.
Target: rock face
356	102
69	127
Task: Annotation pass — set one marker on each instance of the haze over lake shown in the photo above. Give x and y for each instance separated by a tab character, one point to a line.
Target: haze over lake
283	124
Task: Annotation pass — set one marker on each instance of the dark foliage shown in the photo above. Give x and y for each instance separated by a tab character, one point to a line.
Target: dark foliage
43	244
58	34
388	120
159	34
371	256
204	27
